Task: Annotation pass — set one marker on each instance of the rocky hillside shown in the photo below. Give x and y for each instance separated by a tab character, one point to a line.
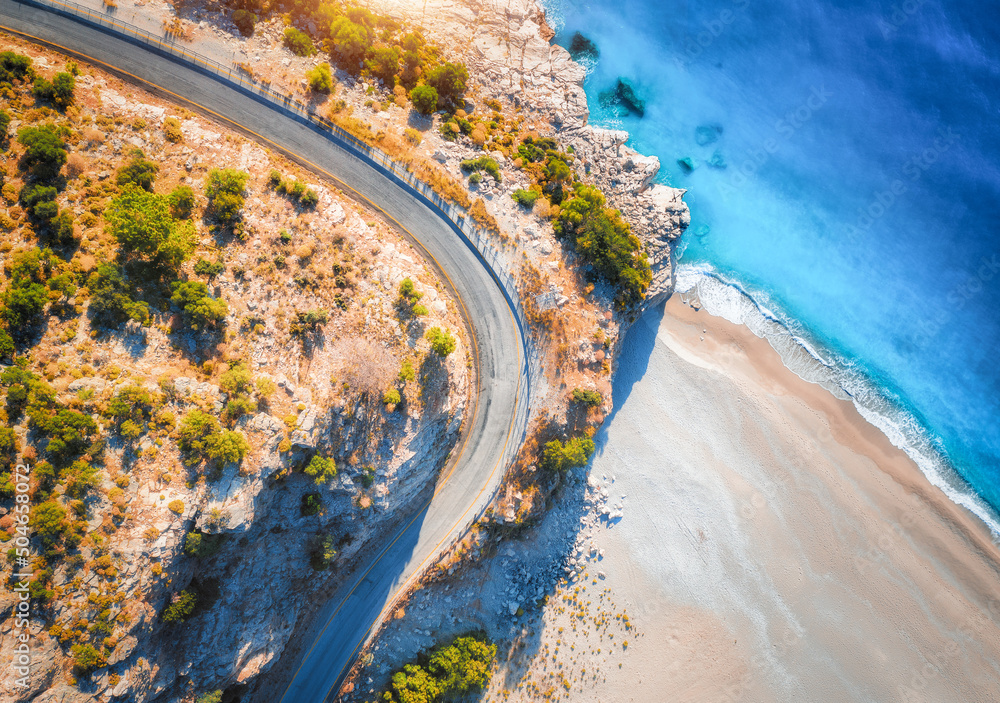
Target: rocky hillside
217	371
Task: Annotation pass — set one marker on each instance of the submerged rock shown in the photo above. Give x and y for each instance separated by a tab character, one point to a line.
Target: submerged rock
623	96
580	47
707	134
688	164
717	160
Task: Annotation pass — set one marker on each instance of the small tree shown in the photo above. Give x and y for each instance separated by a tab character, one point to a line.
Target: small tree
299	42
210	697
245	22
424	98
227	447
588	397
181	607
62	90
449	79
138	171
182	202
442	341
139	220
320	78
225	188
196	428
199	307
44	153
559	458
384	64
86	659
322	469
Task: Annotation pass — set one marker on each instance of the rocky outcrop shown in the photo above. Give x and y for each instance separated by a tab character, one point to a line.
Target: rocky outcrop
510	55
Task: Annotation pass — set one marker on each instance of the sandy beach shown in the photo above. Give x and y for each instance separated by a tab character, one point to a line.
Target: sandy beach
772	545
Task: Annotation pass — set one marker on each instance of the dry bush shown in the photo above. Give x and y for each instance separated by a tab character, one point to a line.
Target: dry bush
442	184
485	219
479	134
368	369
305	251
76	165
93	136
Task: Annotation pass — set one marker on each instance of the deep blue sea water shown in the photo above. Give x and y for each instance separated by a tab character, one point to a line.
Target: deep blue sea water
859	202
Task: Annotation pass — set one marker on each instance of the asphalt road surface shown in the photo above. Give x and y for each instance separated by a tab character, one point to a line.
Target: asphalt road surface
500	410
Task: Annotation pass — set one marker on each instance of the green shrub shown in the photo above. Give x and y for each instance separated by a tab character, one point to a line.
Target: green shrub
201	546
424	98
442	341
4	125
49	522
14	67
244	22
182	202
449	80
350	42
322	469
299	42
407	304
525	198
483	163
195	430
227	447
86	659
63	228
141	223
59	92
559	458
210	697
311	504
39	200
604	239
452	670
138	171
383	63
44	153
587	397
209	269
310	199
181	607
7	349
225	190
323	552
110	298
200	309
320	78
391	397
236	380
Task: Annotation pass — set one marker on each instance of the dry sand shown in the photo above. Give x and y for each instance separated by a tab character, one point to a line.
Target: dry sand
773	546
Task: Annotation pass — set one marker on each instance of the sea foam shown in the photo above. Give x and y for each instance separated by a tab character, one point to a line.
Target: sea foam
731	301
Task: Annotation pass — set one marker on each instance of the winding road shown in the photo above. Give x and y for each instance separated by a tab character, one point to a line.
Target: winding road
500	416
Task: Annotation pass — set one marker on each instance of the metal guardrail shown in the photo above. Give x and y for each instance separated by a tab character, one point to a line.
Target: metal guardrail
458	217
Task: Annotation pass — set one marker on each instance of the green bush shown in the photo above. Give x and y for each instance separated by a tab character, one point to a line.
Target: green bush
138	171
383	64
483	163
391	397
299	42
587	397
86	659
209	269
39	200
63	228
181	607
604	239
44	153
225	190
425	99
110	298
141	223
227	447
14	67
525	198
182	202
245	22
201	546
442	341
210	697
320	78
559	458
323	552
451	671
49	522
200	309
7	349
350	42
4	125
322	469
311	504
195	430
407	304
309	199
236	380
449	80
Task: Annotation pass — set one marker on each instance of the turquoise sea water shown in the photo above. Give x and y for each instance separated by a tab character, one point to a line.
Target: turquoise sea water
846	177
